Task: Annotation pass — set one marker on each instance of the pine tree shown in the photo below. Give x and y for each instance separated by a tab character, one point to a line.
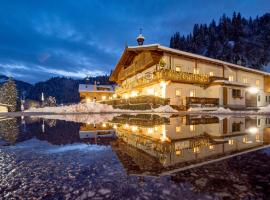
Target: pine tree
9	94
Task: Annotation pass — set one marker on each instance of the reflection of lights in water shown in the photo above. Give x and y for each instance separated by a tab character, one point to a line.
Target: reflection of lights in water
43	127
150	130
211	147
257	137
196	150
126	126
134	128
178	152
253	130
156	128
164	137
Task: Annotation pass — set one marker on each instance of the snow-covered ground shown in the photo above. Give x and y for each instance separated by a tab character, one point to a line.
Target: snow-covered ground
94	107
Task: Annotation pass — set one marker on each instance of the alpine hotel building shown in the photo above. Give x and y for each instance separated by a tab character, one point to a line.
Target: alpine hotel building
188	79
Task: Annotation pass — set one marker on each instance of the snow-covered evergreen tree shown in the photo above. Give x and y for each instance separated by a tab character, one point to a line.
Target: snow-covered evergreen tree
8	94
236	40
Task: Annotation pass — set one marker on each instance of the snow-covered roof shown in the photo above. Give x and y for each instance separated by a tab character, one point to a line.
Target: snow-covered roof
96	88
3	104
175	51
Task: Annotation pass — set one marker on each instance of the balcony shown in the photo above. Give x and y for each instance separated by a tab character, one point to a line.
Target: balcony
166	75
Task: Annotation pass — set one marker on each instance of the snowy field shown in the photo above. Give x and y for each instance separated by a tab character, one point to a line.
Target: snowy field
94	107
103	108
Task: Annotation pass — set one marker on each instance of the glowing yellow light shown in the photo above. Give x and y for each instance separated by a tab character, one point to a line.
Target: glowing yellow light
253	90
126	96
114	96
192	128
134	128
257	138
114	126
104	125
134	93
150	130
245	140
103	97
211	147
150	91
163	84
126	126
196	150
88	100
253	130
230	142
178	152
156	128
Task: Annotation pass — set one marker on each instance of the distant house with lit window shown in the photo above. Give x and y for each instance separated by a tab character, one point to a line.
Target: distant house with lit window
4	107
188	79
95	92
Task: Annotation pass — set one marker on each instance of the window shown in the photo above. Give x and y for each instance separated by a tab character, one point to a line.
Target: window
192	128
259	98
192	93
231	78
257	82
236	127
178	68
265	98
236	93
211	73
230	142
178	129
196	71
178	92
245	80
258	122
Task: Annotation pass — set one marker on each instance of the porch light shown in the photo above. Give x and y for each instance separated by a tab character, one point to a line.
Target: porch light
252	130
134	93
150	130
150	91
134	128
253	90
126	96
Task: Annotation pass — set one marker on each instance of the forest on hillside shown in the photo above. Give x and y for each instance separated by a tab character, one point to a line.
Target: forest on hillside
233	39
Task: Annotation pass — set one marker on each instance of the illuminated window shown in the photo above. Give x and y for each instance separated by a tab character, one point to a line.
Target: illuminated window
178	129
178	152
196	71
192	128
211	73
211	147
196	150
192	93
245	80
178	68
245	139
178	92
257	82
230	142
231	78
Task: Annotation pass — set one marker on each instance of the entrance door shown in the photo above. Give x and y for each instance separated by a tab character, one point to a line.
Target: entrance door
225	96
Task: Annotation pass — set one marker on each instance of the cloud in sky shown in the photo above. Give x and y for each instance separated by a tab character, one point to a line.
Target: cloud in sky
41	39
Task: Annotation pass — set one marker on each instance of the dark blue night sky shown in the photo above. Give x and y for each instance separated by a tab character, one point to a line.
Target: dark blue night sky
42	38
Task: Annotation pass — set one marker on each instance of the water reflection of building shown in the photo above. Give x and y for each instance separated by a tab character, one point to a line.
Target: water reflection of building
97	133
185	140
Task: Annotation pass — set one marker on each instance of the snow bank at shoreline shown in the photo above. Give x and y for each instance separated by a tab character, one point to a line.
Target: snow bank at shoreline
210	110
95	108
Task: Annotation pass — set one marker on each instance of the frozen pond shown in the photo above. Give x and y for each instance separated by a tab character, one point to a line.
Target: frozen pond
139	156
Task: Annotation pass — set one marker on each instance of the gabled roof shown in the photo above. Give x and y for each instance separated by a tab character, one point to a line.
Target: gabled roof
158	47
